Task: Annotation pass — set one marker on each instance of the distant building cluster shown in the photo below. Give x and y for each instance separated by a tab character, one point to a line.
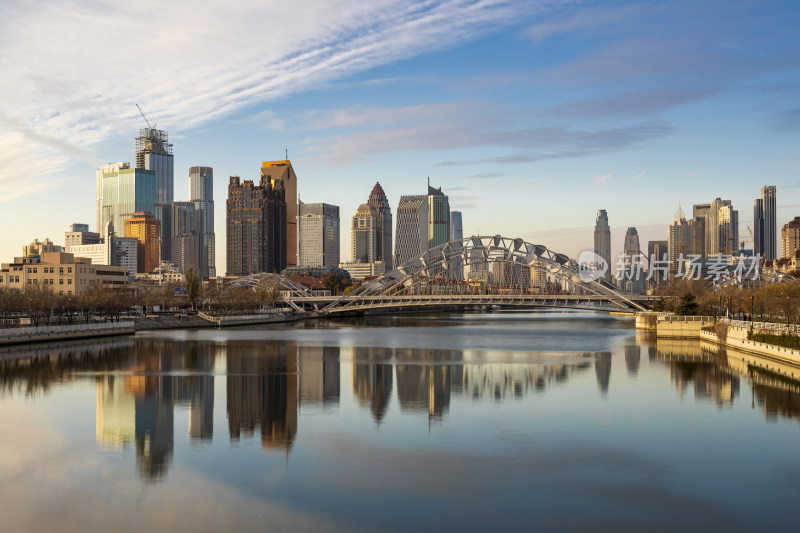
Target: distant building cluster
712	231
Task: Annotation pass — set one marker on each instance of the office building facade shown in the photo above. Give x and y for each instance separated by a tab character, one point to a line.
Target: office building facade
318	230
456	228
790	238
146	229
365	232
438	217
122	191
201	194
411	238
255	226
377	199
765	223
281	176
602	240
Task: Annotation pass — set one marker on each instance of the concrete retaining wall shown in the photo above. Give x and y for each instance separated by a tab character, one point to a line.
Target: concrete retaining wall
11	336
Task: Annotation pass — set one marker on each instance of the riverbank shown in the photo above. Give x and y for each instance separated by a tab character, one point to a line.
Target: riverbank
728	334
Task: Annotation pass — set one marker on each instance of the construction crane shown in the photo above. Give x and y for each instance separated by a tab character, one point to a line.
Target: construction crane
144	117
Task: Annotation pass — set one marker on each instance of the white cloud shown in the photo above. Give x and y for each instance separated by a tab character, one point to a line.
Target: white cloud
72	71
690	173
638	176
602	178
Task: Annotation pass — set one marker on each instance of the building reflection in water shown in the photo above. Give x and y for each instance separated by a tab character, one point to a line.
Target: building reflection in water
602	368
139	406
427	387
319	375
262	389
372	379
632	358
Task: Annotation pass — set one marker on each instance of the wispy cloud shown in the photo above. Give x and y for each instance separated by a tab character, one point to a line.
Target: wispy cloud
689	173
602	178
638	176
78	85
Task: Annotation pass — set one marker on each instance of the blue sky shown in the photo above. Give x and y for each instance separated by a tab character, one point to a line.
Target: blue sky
530	115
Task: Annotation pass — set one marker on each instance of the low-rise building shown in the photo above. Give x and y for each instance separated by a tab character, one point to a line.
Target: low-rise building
60	272
359	271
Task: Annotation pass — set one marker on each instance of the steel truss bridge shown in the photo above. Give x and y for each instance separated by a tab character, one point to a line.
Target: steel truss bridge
477	271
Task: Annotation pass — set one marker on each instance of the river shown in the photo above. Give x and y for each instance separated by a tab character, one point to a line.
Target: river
475	422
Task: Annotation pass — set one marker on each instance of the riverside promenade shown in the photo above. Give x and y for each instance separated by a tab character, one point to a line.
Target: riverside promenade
34	334
722	333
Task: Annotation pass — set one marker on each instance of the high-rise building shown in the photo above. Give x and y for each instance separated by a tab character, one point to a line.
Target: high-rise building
790	238
121	191
438	217
256	226
634	279
657	251
318	229
186	227
456	231
412	228
146	229
764	223
378	200
282	176
602	240
365	230
201	194
154	153
722	228
697	237
678	240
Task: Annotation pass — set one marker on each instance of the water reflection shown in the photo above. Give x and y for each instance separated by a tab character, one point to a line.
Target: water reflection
141	382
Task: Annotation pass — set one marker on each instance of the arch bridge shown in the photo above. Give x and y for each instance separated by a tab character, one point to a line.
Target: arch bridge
486	270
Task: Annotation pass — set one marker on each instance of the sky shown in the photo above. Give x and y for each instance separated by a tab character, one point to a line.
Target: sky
531	115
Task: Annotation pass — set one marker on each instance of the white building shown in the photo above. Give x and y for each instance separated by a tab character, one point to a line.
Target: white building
318	228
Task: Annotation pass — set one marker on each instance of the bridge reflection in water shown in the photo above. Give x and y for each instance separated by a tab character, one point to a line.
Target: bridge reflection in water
140	383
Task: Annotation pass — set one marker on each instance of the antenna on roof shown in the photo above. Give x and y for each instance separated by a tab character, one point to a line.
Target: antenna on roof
287	153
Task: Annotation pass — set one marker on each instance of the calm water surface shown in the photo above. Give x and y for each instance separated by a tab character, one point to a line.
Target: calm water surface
555	422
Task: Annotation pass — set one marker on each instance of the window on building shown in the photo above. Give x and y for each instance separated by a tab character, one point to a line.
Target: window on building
69	282
61	293
61	282
61	270
69	270
69	292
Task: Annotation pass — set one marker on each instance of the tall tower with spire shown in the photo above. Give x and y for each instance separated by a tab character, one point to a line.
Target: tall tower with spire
378	200
602	240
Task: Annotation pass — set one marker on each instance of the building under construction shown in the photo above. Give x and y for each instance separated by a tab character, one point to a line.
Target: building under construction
154	152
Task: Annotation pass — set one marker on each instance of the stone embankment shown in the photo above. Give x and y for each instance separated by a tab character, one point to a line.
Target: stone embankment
24	335
728	334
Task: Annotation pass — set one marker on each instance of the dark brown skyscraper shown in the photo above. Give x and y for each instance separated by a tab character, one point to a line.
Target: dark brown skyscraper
256	226
378	200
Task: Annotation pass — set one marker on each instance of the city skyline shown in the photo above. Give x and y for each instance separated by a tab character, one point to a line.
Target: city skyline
564	95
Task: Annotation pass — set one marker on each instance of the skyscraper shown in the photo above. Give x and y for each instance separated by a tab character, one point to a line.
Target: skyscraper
456	231
678	240
378	200
186	228
412	228
764	223
790	238
282	176
365	231
657	251
438	217
318	229
634	281
121	191
201	194
147	230
154	152
255	226
722	228
602	240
